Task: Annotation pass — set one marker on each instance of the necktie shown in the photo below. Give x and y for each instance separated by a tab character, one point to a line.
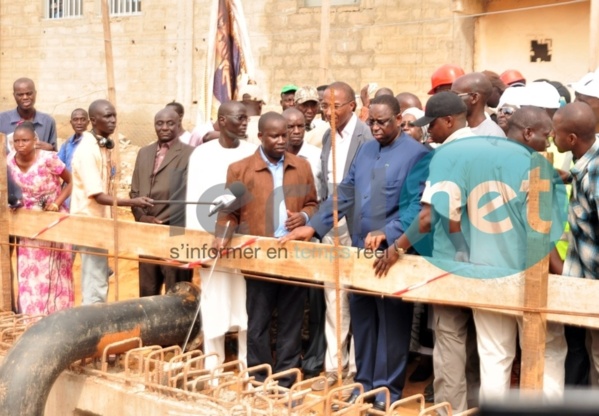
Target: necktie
160	156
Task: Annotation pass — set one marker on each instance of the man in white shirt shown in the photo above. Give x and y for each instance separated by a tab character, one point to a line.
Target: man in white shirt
313	358
476	89
350	134
92	172
223	292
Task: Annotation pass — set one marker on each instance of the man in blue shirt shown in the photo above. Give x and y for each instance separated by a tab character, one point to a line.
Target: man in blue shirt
383	188
45	126
79	122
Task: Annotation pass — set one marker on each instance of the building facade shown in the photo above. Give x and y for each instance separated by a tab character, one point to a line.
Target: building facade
160	48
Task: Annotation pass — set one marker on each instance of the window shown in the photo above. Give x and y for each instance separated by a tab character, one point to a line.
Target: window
57	9
318	3
124	7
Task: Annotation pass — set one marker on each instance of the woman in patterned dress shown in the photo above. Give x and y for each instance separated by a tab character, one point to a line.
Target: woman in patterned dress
45	276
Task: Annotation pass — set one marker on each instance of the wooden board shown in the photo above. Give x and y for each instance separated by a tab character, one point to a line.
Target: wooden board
534	324
5	279
311	262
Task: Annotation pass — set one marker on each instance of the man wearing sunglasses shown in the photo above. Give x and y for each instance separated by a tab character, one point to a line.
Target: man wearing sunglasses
476	89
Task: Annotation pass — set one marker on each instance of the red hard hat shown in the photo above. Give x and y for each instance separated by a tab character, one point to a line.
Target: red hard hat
512	76
445	75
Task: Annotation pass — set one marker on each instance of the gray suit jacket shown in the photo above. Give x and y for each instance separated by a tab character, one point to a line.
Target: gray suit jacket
361	135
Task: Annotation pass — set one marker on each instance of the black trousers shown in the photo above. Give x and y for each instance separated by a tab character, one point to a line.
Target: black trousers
153	276
313	361
578	364
262	298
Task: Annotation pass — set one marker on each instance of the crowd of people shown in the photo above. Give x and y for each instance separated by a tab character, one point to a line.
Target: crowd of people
410	179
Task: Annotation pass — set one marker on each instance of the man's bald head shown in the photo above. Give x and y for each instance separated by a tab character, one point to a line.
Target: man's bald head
408	100
474	82
296	128
166	123
292	112
168	110
102	115
23	81
530	126
23	89
475	89
96	106
577	118
232	121
383	91
528	117
269	118
574	127
344	88
229	108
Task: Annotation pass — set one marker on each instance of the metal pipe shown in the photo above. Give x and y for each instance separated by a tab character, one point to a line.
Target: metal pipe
47	348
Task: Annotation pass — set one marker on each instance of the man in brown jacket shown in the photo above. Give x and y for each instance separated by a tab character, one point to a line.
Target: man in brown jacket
280	196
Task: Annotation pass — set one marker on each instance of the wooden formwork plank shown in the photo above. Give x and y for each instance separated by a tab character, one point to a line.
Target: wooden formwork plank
536	276
5	266
312	262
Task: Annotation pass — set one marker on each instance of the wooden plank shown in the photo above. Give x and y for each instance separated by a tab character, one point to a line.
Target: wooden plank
115	154
5	266
312	262
534	325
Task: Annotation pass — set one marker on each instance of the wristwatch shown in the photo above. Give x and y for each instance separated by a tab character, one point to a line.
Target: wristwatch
400	251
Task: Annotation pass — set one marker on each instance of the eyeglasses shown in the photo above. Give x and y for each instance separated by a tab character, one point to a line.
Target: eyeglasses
325	107
381	123
463	94
238	118
507	111
407	124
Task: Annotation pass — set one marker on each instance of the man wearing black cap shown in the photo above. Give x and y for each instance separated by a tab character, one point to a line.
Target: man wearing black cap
445	115
455	359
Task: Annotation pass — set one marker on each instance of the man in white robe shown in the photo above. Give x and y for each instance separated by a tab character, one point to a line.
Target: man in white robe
224	292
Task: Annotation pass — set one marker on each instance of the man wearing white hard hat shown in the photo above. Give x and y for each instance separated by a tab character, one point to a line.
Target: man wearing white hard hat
587	91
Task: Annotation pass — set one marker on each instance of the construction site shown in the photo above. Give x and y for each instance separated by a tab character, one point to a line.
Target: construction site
143	356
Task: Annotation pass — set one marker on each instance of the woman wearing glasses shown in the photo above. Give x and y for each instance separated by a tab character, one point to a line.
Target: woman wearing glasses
407	118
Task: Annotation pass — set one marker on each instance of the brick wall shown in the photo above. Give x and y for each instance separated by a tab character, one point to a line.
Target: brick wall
159	54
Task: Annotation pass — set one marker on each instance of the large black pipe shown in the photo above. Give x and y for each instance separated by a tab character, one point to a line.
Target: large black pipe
47	348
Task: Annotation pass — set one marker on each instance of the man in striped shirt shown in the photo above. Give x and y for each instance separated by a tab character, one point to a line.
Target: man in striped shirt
574	127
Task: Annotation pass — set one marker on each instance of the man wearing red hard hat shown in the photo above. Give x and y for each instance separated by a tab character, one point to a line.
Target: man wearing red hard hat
443	77
513	78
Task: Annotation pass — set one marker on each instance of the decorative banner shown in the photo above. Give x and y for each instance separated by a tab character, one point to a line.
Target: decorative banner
229	63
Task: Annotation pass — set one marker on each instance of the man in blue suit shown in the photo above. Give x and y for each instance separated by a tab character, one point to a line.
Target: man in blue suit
383	189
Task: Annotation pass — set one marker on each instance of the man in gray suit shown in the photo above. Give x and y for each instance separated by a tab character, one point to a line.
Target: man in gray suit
350	134
161	173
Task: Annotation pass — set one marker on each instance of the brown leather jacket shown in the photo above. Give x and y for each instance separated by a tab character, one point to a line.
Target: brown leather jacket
254	213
